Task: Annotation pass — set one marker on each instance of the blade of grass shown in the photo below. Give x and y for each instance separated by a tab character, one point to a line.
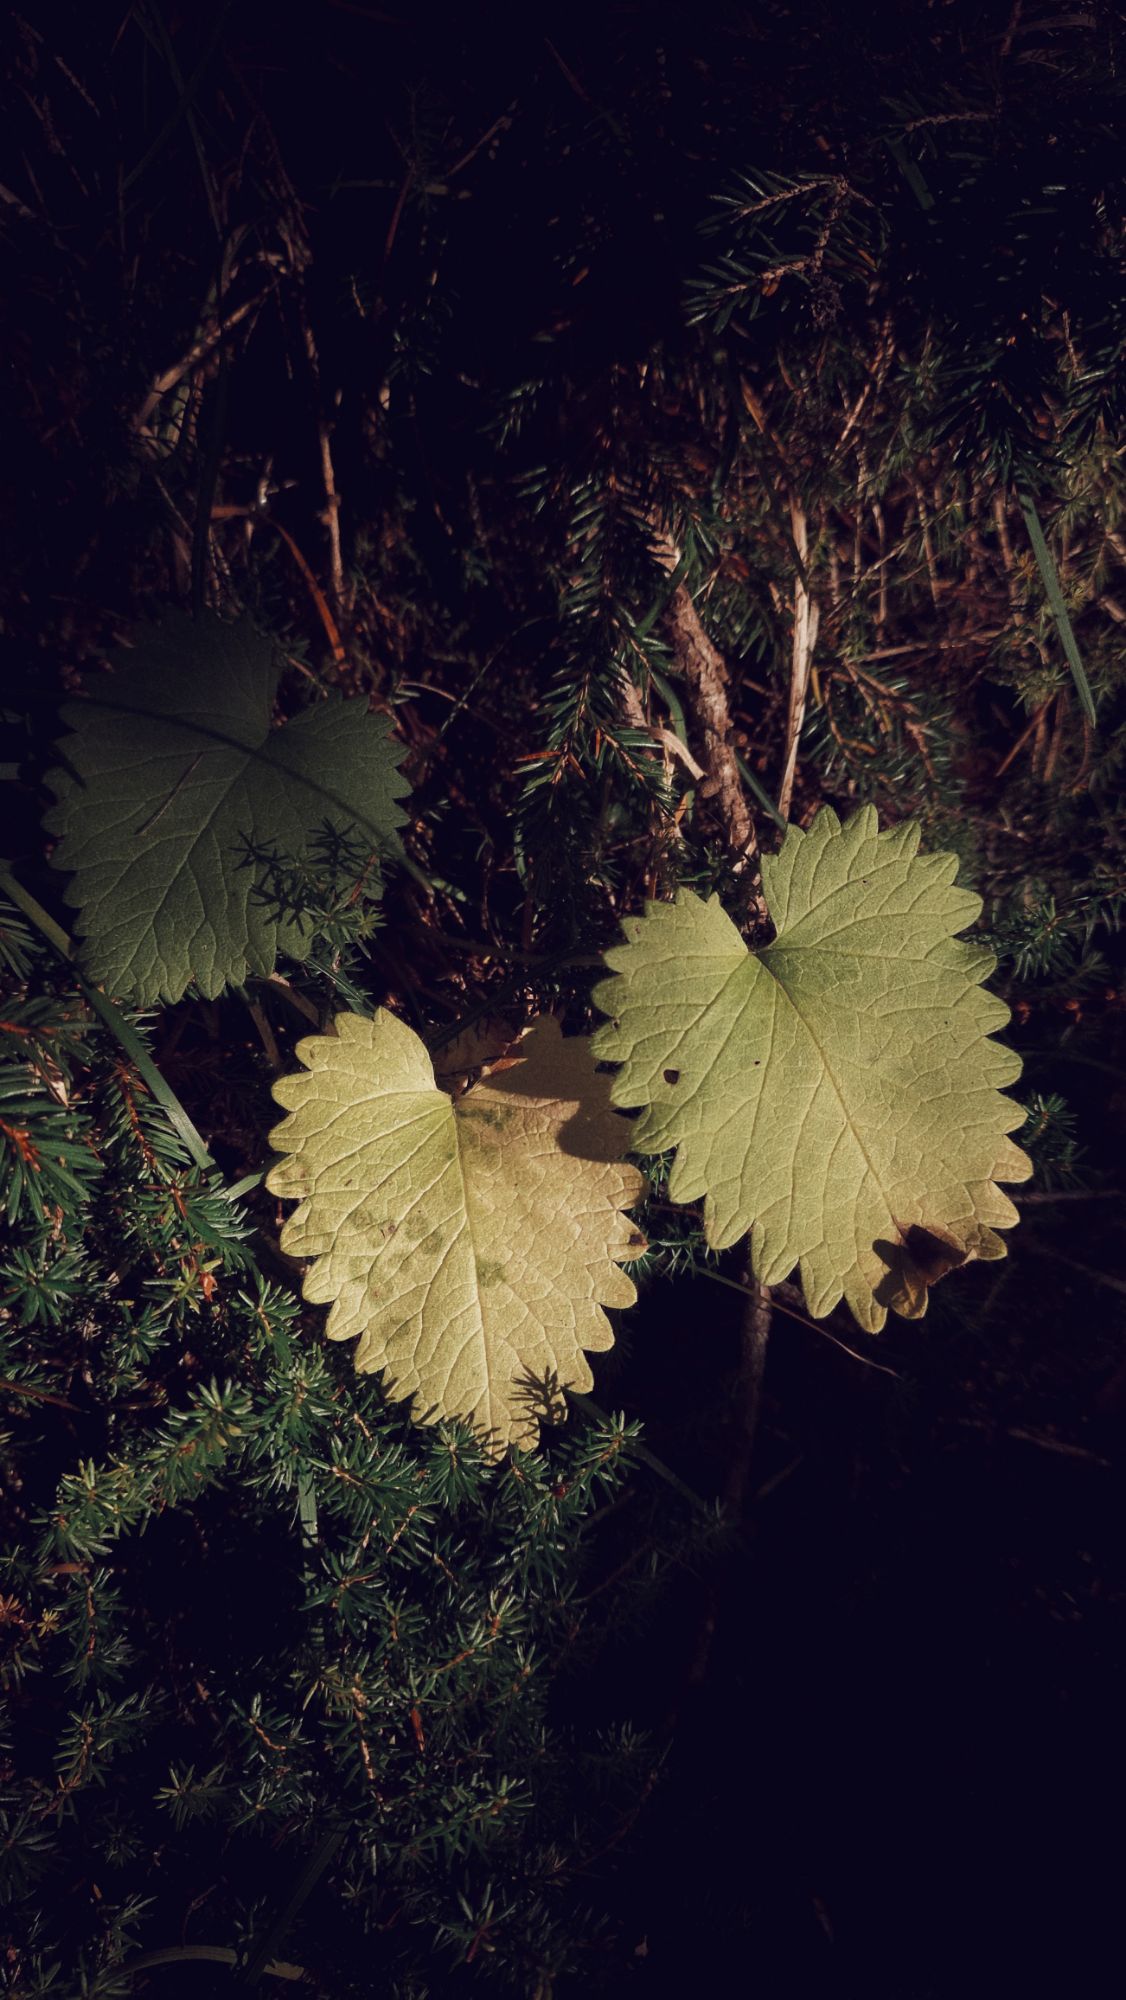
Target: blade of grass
668	696
260	1957
663	598
187	93
114	1020
760	793
207	1954
642	1452
911	173
164	45
1051	583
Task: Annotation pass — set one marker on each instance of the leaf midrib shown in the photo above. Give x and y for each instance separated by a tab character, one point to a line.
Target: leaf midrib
838	1091
265	752
478	1288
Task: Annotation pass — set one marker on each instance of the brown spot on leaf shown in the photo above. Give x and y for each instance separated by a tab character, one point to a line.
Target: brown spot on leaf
915	1261
932	1251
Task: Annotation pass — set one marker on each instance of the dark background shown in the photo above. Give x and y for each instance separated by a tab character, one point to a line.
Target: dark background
896	1769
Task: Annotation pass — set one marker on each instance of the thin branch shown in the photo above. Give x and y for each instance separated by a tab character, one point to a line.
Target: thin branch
1022	739
501	124
210	339
780	1294
225	512
36	1395
11	200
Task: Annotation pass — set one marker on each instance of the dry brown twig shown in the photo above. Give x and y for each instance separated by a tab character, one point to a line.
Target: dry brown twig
330	514
706	680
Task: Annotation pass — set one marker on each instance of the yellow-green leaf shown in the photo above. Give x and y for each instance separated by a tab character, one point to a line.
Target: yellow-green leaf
467	1246
835	1093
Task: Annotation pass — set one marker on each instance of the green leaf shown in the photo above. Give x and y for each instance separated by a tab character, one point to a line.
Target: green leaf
836	1093
469	1246
171	769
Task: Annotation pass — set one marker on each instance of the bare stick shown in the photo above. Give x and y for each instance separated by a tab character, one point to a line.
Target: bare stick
705	676
754	1335
331	513
807	618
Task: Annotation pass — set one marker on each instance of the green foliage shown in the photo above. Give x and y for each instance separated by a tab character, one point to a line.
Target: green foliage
172	773
388	1667
1049	1134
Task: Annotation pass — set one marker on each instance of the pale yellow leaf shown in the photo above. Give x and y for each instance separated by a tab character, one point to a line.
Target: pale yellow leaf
467	1246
